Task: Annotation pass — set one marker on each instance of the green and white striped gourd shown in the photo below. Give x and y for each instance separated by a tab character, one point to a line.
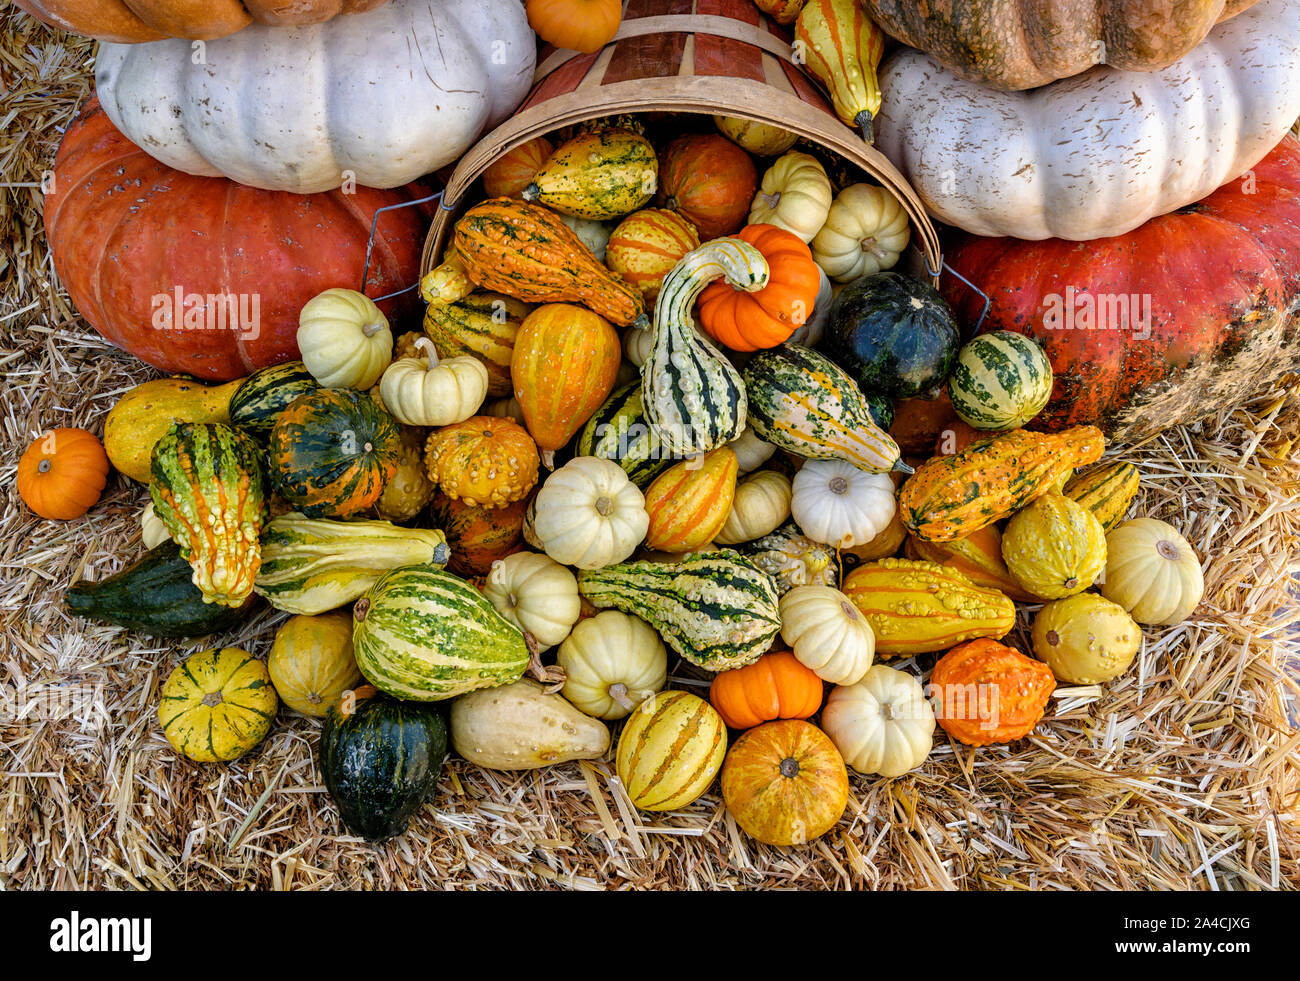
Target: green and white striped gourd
801	401
311	565
422	634
1000	381
620	431
716	609
694	396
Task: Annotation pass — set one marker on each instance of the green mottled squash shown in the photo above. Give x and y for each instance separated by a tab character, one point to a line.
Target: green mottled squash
620	431
1106	491
263	395
1001	380
597	175
483	325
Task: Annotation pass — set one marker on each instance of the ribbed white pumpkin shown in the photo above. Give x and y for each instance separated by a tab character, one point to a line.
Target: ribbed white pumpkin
837	504
751	452
423	391
795	195
760	505
378	98
827	633
883	725
612	662
589	514
865	232
152	530
536	594
344	339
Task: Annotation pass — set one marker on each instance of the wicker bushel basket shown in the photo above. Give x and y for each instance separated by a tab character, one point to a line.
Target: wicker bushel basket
714	57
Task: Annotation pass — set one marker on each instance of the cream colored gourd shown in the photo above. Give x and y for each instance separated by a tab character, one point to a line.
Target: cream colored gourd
1152	572
536	594
152	530
423	391
809	333
865	232
612	663
344	339
377	98
637	345
827	633
751	452
1085	639
837	504
795	195
760	505
521	726
507	408
589	514
883	725
1099	153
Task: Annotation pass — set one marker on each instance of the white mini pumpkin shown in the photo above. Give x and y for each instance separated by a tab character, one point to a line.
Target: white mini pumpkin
883	725
795	195
827	633
423	391
1152	572
837	504
612	662
536	594
344	339
865	232
637	345
589	514
507	408
760	505
751	452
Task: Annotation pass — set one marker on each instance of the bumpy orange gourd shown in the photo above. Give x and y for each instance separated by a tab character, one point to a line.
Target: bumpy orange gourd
750	321
564	365
989	693
62	474
647	244
708	179
776	686
978	556
688	503
580	25
952	496
478	536
511	172
484	461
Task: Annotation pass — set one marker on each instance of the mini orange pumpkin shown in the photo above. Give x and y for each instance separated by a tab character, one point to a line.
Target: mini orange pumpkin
580	25
511	172
751	321
776	686
62	474
1010	692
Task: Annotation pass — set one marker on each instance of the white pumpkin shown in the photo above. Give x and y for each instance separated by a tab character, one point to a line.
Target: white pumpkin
152	530
883	725
377	98
637	345
612	662
795	195
1153	572
837	504
423	391
760	505
589	514
751	452
809	333
507	408
593	234
827	633
344	340
1102	152
866	232
536	594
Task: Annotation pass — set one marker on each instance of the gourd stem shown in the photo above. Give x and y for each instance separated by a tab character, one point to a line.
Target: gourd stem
430	352
548	459
618	692
553	676
863	122
373	328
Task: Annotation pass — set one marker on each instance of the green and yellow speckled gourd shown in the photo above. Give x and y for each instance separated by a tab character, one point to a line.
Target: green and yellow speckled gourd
1106	491
716	609
1055	547
952	496
597	175
792	559
207	489
693	396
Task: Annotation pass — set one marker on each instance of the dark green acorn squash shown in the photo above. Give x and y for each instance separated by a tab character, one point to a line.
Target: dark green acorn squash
381	762
264	394
155	596
894	335
881	409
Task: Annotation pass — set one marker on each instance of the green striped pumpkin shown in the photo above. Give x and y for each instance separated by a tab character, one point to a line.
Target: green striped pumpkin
264	394
694	396
619	431
483	325
1000	381
1106	491
716	609
422	634
310	565
801	401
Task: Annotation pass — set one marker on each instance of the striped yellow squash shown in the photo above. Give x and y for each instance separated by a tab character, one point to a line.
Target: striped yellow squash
1106	491
671	749
646	245
217	705
688	504
842	48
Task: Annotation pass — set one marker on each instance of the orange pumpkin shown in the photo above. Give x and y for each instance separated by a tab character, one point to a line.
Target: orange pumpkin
62	474
986	692
776	686
476	536
647	244
485	461
785	783
689	502
749	321
564	366
710	180
514	169
580	25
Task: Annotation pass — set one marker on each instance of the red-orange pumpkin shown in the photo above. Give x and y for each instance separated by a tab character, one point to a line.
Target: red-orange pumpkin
124	229
580	25
62	474
708	179
776	686
511	172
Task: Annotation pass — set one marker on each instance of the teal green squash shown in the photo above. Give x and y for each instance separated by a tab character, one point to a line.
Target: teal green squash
380	763
894	335
1000	381
422	634
716	609
264	394
802	402
620	431
155	596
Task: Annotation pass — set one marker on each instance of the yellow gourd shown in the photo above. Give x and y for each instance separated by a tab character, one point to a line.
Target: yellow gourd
842	49
1055	547
143	414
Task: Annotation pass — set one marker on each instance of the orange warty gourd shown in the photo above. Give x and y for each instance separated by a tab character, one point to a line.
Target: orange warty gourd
580	25
955	437
62	474
511	172
750	321
708	179
1009	692
564	365
776	686
484	461
647	244
688	503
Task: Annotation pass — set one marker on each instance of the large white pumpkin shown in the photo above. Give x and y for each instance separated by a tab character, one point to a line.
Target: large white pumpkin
378	98
1100	153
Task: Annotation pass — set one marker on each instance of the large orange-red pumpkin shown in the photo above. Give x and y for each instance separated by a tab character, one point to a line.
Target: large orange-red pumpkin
708	179
776	686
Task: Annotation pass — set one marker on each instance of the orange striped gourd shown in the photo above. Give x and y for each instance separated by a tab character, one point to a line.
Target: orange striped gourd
688	503
842	49
978	557
671	748
647	244
513	171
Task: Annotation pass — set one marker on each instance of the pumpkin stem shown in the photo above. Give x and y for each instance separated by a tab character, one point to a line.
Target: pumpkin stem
618	692
548	459
360	609
374	327
430	352
604	506
771	200
901	467
790	767
213	698
863	122
45	464
552	676
1167	550
839	485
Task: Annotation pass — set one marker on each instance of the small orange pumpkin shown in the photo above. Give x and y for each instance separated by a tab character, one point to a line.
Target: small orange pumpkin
647	244
750	321
785	783
485	461
580	25
62	474
511	172
776	686
1010	692
689	502
710	180
478	536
